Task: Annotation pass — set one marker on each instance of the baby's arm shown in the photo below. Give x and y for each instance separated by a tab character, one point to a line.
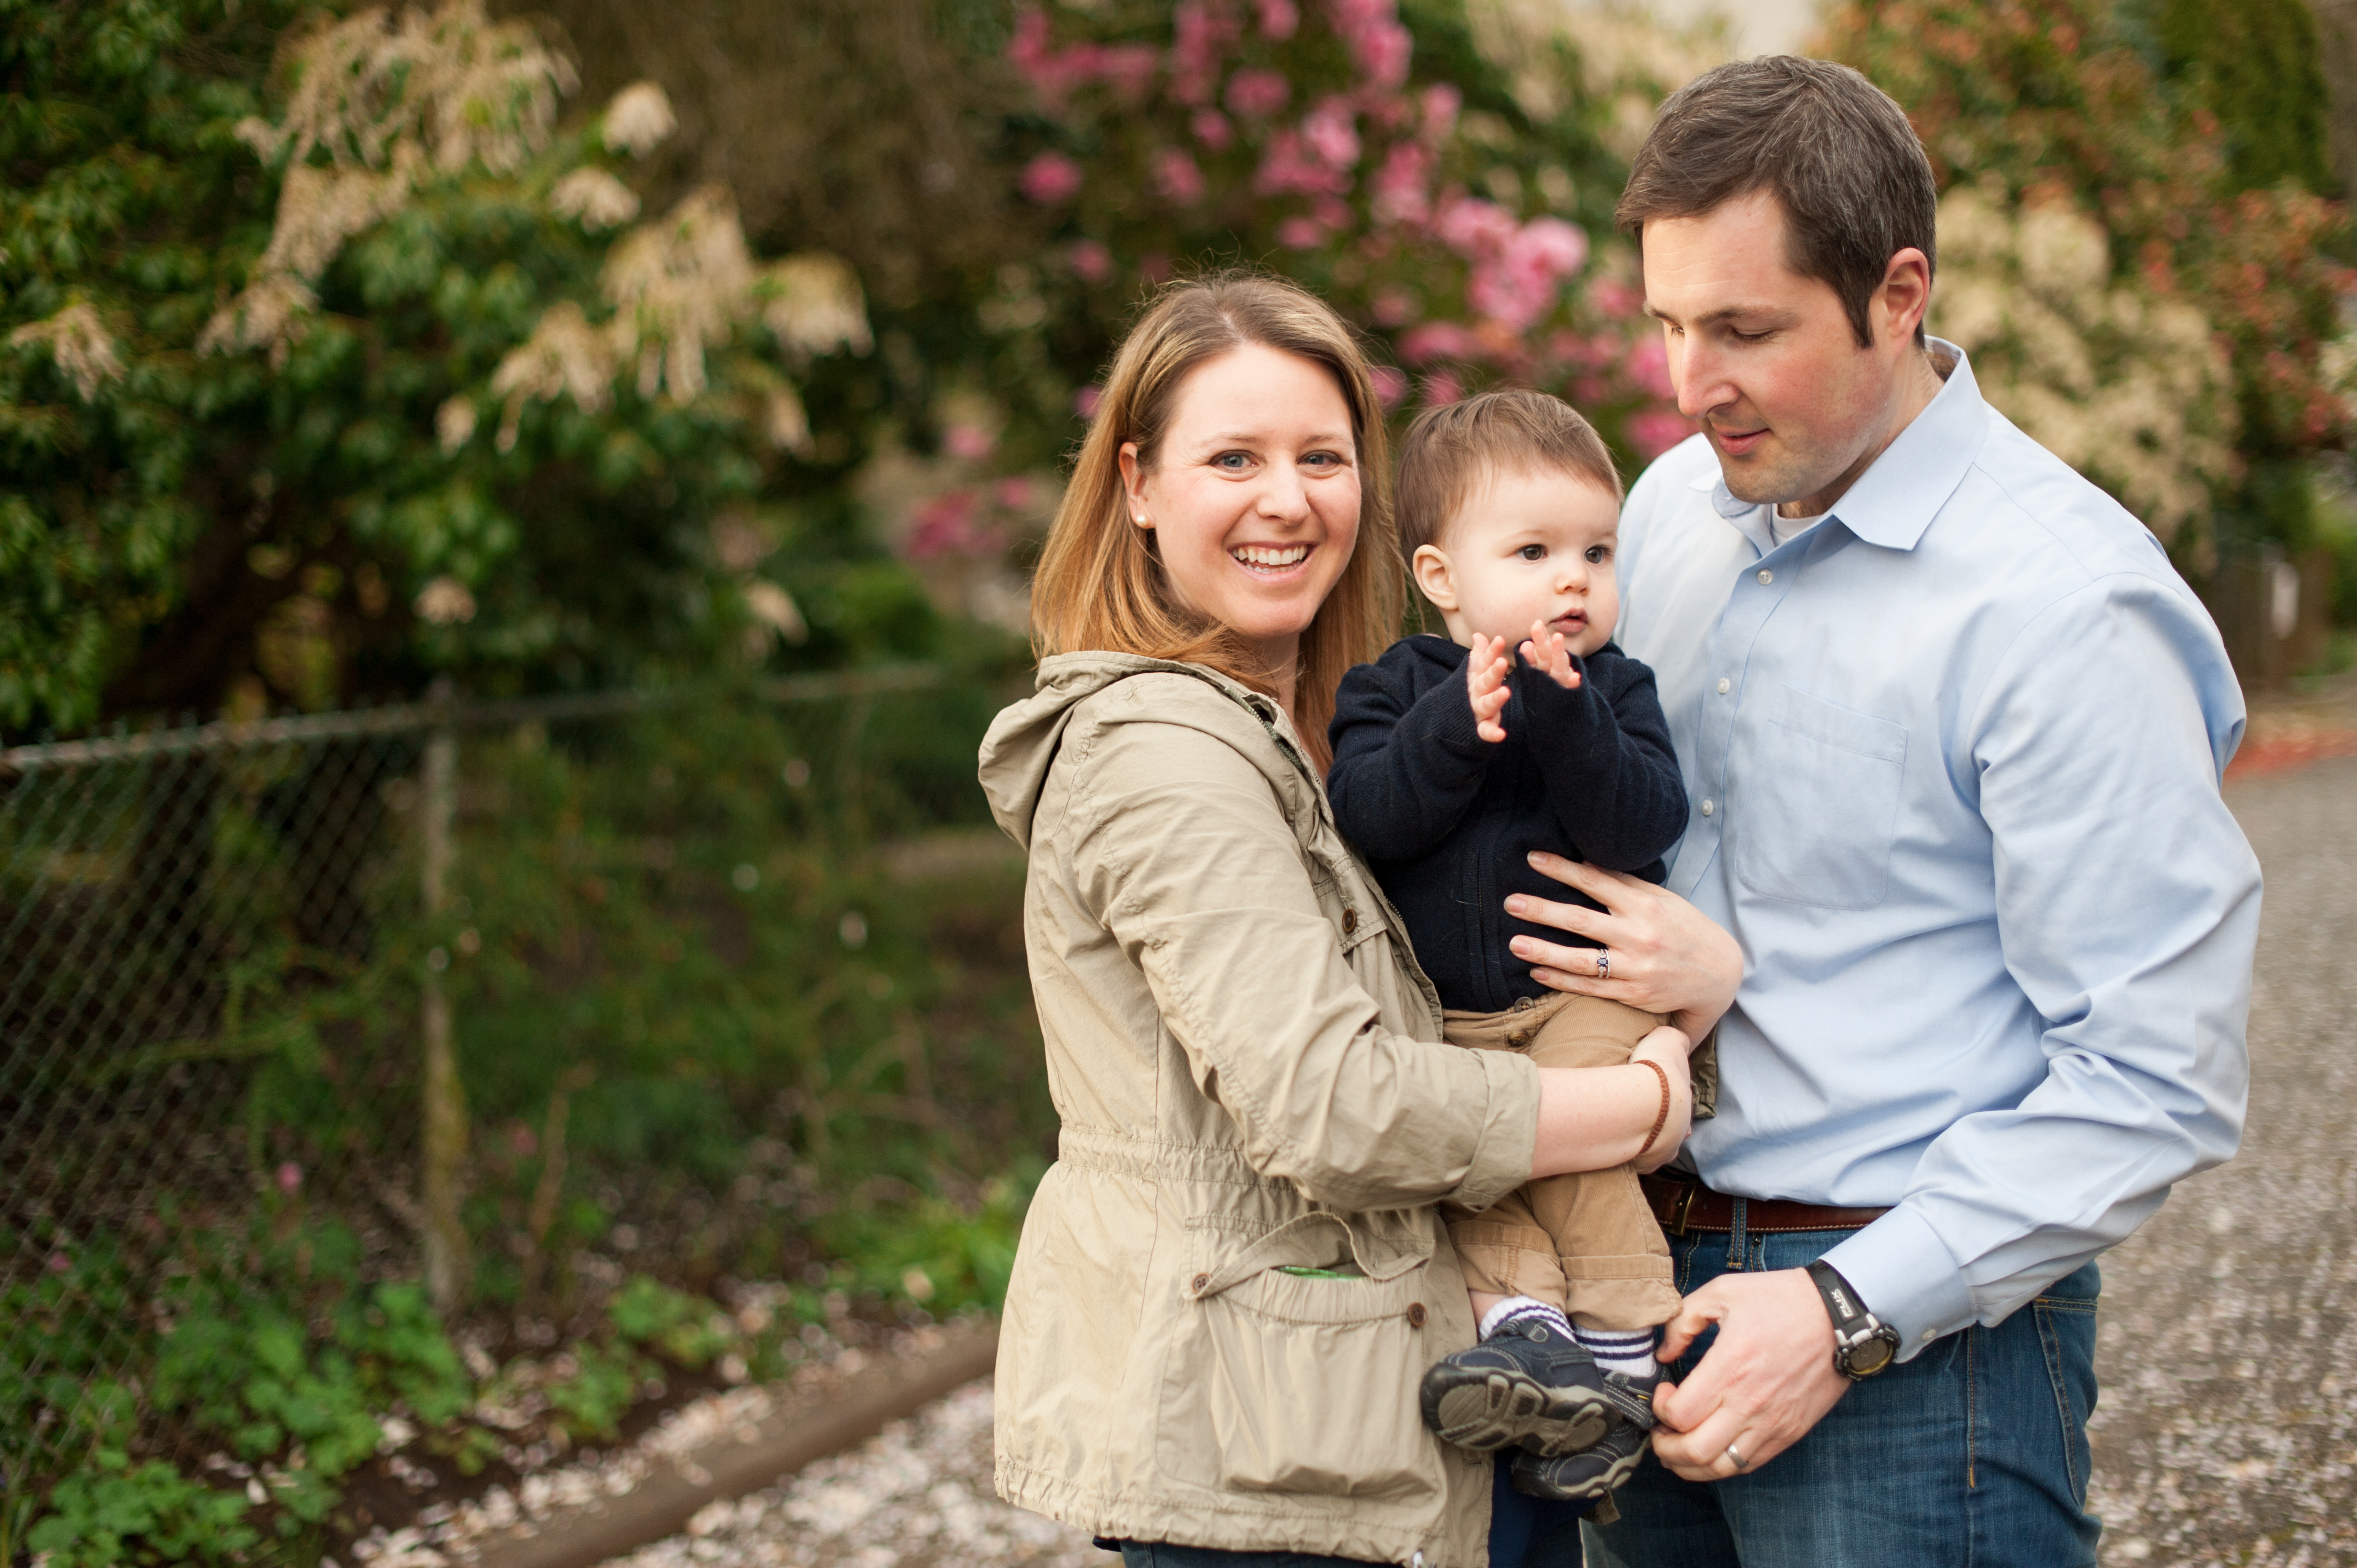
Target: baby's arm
1604	749
1405	767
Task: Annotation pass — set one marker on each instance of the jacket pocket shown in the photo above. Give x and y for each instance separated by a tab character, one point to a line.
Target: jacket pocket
1820	803
1302	1383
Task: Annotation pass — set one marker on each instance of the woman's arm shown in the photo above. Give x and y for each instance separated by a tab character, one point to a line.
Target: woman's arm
1665	955
1592	1119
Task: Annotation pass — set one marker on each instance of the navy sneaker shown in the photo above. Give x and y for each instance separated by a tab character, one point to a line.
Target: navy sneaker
1594	1472
1529	1383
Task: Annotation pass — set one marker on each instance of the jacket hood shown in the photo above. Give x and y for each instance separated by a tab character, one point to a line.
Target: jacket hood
1024	738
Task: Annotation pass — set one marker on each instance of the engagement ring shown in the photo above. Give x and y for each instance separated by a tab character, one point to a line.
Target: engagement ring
1603	964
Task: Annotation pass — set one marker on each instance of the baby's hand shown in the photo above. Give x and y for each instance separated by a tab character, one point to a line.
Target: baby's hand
1545	650
1485	683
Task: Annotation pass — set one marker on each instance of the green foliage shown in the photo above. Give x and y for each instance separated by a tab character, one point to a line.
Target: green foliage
2257	65
116	1511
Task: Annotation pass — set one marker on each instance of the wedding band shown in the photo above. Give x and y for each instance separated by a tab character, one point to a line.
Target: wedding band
1738	1460
1603	964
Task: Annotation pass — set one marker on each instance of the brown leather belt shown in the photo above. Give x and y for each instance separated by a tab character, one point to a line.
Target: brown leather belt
1682	1204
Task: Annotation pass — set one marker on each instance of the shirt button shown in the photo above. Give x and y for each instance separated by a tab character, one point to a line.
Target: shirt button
1930	1335
1708	807
1724	684
1766	576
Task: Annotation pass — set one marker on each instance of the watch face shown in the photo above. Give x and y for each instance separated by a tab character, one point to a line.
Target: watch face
1868	1358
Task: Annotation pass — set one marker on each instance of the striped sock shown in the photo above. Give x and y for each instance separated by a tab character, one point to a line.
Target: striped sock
1629	1351
1524	1308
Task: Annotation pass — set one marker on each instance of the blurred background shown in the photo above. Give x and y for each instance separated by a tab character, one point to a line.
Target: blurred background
515	521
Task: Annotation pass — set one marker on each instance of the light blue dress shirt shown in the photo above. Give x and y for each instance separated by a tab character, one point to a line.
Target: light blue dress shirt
1952	758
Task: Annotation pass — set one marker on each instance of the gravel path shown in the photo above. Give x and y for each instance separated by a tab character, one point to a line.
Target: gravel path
2228	1430
2227	1433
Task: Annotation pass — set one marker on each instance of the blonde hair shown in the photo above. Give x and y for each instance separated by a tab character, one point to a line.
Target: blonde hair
1100	585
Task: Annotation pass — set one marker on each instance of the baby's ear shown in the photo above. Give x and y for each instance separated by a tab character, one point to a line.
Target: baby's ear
1434	576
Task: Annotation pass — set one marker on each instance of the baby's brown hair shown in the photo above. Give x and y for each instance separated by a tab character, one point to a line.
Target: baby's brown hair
1451	450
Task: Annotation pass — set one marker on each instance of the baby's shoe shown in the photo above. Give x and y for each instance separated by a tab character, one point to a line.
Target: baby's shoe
1529	1383
1594	1471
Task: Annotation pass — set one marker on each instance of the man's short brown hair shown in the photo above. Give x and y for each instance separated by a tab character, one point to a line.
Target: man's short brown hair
1836	149
1451	451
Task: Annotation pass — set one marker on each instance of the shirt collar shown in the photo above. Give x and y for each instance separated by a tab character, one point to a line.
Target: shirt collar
1895	499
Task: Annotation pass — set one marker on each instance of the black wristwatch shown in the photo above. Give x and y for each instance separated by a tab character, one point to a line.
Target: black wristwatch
1863	1344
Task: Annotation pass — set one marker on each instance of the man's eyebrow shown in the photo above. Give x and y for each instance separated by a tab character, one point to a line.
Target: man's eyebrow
1711	317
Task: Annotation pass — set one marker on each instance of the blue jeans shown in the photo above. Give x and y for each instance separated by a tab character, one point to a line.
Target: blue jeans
1162	1555
1974	1453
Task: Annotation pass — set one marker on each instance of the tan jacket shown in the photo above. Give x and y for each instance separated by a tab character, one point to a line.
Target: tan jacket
1246	1061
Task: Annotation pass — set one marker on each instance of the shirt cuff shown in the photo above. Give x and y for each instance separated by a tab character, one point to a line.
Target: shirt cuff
1905	1276
1509	1140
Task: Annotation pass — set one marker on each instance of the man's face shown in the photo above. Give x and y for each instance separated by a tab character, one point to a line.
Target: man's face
1766	359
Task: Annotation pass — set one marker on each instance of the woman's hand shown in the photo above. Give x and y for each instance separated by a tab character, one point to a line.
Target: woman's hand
1661	954
1672	1049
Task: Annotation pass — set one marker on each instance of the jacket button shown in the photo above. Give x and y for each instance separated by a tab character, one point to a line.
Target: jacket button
1350	921
1199	1282
1416	1315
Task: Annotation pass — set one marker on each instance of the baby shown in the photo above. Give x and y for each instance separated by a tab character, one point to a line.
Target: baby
1454	759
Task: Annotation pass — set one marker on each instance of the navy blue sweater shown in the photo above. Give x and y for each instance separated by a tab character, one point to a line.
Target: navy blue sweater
1447	819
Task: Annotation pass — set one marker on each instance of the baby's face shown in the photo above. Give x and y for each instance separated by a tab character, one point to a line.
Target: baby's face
1528	547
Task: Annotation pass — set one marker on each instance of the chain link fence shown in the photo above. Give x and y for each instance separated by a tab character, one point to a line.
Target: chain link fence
231	957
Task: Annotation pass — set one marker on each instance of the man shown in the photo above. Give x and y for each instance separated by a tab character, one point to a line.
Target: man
1953	731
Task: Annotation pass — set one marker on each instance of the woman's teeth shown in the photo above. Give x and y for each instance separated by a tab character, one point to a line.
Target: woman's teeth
1269	556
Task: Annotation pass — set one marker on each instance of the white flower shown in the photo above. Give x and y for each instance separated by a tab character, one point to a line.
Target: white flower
594	196
775	609
639	119
454	424
79	342
445	601
816	306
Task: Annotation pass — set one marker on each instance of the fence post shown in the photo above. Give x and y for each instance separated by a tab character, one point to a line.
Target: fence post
448	1263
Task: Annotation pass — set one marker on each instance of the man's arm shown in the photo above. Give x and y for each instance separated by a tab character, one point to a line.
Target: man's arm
1603	747
2127	907
1405	767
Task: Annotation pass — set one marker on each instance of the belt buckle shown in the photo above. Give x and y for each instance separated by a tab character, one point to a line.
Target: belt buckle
1681	1206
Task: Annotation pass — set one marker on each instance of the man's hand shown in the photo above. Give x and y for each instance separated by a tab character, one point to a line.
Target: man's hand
1485	683
1767	1378
1544	651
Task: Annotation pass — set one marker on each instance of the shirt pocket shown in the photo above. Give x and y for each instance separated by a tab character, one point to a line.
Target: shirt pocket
1820	804
1279	1381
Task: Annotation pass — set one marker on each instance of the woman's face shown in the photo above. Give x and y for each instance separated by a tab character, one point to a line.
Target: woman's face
1253	496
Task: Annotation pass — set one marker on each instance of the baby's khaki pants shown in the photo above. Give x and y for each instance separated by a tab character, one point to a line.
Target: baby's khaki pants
1586	1242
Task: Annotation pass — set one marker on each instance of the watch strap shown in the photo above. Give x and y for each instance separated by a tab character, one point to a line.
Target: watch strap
1841	1302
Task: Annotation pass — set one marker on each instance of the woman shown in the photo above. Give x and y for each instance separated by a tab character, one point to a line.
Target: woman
1232	1278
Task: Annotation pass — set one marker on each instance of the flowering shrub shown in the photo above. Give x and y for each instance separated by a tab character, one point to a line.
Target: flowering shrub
1447	203
2049	101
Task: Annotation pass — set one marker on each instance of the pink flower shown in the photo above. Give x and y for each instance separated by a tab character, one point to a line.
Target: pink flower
1648	365
1383	53
1128	68
949	524
970	442
1089	262
1278	18
290	1178
1475	228
1153	267
60	1262
1177	177
1331	134
1198	37
1394	307
1013	492
1657	430
1211	128
1549	244
1287	167
1389	385
1441	102
1052	178
1617	298
1256	94
1301	233
1437	341
1400	193
1085	401
1332	211
1442	388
